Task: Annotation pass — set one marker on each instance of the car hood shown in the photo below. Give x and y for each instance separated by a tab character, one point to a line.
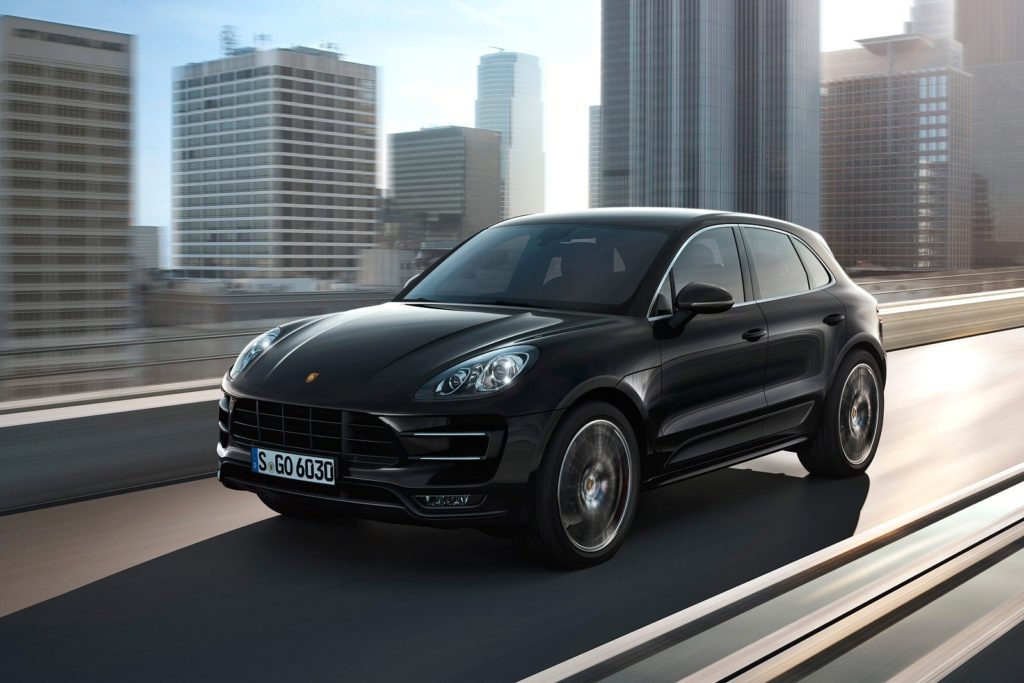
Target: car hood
365	355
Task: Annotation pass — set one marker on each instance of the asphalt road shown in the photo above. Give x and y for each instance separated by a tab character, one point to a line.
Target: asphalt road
263	598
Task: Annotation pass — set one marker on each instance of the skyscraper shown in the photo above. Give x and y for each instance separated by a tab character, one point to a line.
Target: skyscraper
449	177
275	165
933	18
897	182
711	104
992	33
66	265
594	188
508	101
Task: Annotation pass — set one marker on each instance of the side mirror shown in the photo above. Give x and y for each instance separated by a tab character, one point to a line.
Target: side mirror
701	297
698	297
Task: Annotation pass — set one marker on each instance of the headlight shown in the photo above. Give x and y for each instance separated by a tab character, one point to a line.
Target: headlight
484	374
253	350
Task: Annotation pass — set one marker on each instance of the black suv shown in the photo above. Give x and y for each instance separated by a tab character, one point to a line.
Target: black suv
534	380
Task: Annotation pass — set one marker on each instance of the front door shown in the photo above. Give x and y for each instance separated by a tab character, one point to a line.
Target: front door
713	369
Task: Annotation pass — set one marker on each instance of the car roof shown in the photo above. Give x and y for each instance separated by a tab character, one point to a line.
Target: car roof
639	217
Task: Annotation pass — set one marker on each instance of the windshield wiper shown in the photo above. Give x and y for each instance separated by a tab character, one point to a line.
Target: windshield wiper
517	304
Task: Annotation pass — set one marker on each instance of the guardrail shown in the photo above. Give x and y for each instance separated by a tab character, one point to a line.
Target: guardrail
774	624
907	324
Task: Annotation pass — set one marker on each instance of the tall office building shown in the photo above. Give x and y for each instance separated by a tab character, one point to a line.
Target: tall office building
897	182
992	33
508	101
933	18
594	185
711	104
66	249
447	179
275	165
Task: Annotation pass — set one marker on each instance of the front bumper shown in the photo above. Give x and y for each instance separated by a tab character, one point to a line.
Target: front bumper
490	458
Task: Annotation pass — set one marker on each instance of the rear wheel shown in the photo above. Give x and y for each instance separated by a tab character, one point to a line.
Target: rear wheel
586	489
851	424
295	507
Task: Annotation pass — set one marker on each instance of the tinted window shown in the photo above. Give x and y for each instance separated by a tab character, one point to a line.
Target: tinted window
711	257
816	272
584	267
776	264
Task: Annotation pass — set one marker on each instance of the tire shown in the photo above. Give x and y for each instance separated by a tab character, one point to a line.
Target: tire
296	508
585	497
851	423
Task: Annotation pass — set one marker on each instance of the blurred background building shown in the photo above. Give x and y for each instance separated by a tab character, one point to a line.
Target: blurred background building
275	165
934	18
146	252
508	101
992	33
594	157
897	182
66	274
712	104
448	179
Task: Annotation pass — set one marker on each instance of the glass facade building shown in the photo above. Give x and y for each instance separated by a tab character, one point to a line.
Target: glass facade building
992	33
896	181
275	165
508	101
448	177
594	157
933	18
66	245
712	104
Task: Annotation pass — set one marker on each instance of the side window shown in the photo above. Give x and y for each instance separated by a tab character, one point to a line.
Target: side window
711	257
816	272
776	265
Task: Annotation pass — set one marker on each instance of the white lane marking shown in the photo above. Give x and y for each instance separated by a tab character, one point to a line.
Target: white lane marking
94	409
614	648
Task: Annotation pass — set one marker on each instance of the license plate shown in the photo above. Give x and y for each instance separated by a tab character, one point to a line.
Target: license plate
291	466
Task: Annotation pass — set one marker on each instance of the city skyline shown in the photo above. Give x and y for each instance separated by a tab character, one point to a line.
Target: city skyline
411	42
712	104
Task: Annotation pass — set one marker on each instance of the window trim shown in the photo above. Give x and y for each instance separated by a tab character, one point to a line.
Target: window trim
741	249
753	270
745	266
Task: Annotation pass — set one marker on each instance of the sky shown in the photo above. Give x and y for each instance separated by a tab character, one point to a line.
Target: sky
427	51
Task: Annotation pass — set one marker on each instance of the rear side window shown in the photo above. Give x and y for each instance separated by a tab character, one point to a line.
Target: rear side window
816	272
777	267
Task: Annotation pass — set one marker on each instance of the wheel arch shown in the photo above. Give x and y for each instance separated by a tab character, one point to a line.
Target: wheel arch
866	343
628	406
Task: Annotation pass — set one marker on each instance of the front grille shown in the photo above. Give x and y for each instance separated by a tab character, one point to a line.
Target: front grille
359	438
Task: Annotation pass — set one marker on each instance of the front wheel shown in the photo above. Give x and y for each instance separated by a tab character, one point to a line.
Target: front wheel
851	424
586	489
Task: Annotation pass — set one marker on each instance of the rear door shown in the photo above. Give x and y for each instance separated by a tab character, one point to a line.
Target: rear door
806	327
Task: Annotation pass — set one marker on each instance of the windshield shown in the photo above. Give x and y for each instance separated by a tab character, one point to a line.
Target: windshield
577	267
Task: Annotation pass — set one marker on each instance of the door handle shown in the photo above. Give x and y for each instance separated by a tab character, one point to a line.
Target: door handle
755	335
834	319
